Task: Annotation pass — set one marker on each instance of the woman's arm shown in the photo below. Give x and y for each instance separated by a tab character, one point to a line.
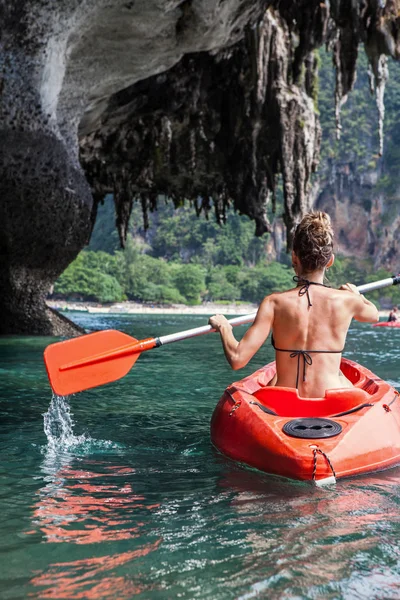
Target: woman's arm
364	310
237	353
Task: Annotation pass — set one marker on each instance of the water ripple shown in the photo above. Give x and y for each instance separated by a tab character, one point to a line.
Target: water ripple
119	492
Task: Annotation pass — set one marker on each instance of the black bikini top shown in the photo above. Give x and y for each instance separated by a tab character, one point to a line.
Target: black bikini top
305	354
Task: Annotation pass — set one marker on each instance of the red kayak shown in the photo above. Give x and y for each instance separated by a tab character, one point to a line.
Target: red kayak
387	324
347	432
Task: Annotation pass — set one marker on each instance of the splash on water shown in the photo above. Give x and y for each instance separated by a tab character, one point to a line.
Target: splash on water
59	430
59	425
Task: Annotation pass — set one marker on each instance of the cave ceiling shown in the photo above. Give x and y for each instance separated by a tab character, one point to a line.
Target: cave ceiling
236	111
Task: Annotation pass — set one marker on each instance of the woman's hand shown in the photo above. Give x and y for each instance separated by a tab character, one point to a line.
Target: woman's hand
349	287
218	321
237	353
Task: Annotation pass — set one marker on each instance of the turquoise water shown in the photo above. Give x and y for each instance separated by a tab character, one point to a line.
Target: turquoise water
125	496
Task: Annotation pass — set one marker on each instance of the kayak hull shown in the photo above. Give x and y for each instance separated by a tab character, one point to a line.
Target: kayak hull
367	417
387	324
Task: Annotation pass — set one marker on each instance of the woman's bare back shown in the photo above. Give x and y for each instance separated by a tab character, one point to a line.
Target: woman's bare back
300	330
322	326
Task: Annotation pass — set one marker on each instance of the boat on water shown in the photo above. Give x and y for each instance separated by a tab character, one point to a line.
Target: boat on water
387	324
348	432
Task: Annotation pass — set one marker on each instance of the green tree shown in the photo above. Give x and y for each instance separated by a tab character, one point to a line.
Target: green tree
219	287
265	279
82	280
274	277
190	282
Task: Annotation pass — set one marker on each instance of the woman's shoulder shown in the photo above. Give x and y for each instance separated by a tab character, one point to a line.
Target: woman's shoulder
278	300
277	297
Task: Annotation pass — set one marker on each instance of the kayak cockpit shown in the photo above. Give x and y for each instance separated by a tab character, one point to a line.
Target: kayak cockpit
286	402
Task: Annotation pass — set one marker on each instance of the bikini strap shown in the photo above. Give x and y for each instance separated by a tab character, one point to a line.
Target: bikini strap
304	288
306	355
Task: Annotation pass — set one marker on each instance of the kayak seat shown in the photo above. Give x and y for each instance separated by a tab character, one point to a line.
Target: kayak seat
286	402
261	378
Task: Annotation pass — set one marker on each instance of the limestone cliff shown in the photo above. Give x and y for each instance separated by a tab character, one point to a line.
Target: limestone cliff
358	180
365	218
194	99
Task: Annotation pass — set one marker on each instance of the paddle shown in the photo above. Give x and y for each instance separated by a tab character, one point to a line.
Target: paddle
98	358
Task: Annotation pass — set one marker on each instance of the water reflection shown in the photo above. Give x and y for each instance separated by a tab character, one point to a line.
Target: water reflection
315	542
83	578
90	503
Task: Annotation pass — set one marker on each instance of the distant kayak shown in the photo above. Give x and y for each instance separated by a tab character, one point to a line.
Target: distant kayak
387	324
348	432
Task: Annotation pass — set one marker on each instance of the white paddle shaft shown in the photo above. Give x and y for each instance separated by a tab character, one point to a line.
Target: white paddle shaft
182	335
376	285
243	320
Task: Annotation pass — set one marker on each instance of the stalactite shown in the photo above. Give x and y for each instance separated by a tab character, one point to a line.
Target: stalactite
239	118
382	41
381	76
123	201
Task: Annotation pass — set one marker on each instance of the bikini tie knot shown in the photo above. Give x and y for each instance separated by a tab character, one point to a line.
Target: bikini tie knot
307	360
304	289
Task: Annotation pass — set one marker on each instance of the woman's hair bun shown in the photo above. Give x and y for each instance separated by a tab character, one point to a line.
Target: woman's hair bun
313	240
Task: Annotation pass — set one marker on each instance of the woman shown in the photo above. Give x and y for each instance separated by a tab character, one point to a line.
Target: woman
309	323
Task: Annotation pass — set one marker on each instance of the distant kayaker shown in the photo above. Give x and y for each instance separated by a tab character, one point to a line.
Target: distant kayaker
393	315
309	323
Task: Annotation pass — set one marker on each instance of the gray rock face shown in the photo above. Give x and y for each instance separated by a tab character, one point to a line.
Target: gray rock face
45	220
196	99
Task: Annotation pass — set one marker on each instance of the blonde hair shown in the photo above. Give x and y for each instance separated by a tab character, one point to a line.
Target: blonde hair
313	241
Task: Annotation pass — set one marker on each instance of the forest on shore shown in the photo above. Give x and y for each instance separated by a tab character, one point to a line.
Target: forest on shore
188	261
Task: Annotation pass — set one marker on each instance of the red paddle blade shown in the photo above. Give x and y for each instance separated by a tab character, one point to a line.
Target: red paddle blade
66	376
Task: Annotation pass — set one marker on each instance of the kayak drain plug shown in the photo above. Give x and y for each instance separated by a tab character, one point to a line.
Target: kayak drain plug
312	428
